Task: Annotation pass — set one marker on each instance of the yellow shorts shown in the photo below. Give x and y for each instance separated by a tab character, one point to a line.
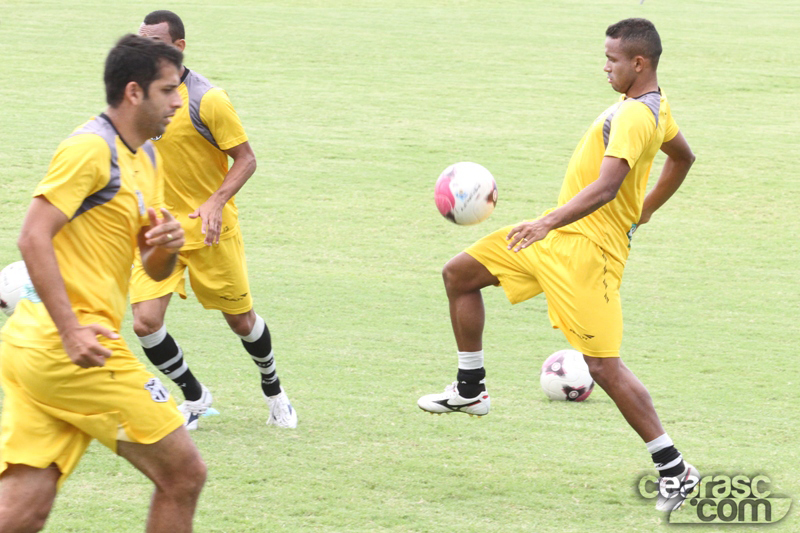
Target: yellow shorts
217	273
53	408
580	281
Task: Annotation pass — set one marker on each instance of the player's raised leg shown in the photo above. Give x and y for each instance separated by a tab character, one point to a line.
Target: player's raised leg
636	405
26	497
174	465
256	339
464	277
166	355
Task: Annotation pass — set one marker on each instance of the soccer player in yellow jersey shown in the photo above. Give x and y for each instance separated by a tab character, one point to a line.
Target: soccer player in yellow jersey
67	375
200	191
576	252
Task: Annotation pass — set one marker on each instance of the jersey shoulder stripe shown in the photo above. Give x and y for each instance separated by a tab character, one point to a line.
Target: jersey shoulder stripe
196	87
104	129
653	102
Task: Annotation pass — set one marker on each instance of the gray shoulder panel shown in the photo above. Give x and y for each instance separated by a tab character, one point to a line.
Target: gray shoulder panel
197	86
103	128
653	101
150	150
607	126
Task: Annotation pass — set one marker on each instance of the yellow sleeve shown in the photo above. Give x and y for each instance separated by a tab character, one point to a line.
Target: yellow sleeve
218	114
632	129
670	128
80	167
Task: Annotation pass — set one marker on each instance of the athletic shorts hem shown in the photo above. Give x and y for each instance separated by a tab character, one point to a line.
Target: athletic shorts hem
228	310
154	437
597	354
498	275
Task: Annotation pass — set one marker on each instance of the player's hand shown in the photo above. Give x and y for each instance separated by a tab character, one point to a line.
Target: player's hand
527	233
644	219
211	215
84	349
164	232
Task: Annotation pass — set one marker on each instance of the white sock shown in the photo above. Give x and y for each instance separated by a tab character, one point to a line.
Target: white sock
470	360
659	443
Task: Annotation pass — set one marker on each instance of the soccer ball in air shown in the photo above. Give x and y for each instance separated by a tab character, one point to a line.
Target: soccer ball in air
466	193
565	376
15	284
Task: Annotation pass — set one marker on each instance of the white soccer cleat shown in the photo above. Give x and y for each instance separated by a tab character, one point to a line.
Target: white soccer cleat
450	401
192	411
673	491
281	412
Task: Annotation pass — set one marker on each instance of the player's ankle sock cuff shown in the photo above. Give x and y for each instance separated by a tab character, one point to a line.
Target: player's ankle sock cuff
668	462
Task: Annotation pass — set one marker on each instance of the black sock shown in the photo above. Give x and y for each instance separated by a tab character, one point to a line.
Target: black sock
167	356
261	352
669	462
471	382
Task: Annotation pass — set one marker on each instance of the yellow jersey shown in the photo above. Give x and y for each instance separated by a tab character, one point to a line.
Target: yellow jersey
632	129
194	161
104	188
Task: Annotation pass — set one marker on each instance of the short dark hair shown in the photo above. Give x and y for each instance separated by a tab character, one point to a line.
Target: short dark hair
639	37
137	59
174	22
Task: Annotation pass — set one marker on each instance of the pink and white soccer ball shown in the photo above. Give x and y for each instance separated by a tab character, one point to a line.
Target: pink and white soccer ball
466	193
565	376
15	284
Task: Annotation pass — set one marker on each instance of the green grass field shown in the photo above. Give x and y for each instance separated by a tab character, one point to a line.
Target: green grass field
353	108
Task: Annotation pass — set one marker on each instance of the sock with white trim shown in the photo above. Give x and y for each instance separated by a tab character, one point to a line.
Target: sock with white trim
165	354
258	344
667	458
471	374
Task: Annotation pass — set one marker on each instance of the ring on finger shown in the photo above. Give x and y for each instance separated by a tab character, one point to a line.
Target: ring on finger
169	236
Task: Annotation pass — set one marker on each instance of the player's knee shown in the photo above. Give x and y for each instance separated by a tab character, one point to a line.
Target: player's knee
241	324
37	519
144	324
604	370
25	516
197	476
453	277
187	481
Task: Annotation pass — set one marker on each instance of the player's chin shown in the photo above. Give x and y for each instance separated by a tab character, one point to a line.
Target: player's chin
159	130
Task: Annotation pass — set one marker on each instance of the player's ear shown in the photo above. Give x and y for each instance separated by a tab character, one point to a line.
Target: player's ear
180	44
134	93
639	63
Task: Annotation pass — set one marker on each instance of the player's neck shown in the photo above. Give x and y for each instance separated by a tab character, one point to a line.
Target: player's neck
126	128
642	86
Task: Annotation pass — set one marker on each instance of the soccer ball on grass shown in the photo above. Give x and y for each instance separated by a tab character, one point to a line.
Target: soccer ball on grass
565	376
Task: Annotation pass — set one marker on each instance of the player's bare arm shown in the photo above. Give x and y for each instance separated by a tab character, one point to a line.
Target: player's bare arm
159	244
244	165
598	193
679	160
42	222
